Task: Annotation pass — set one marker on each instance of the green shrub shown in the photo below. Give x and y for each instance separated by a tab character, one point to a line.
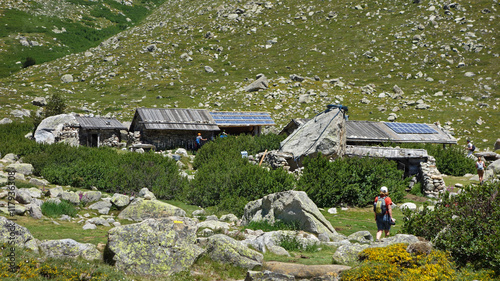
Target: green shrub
350	181
54	210
292	243
466	225
416	189
449	160
226	180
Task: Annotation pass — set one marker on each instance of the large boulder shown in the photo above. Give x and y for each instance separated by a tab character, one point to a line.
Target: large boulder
154	247
292	207
120	200
260	84
494	167
225	249
69	248
50	128
325	134
103	207
91	196
20	236
21	168
302	271
141	209
70	196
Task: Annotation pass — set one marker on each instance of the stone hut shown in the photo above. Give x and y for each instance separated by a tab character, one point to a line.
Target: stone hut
99	131
167	128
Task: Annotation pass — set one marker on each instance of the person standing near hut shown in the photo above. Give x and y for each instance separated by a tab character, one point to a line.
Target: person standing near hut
199	141
383	212
480	166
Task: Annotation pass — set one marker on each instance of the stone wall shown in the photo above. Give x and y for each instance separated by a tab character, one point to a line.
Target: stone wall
431	179
164	140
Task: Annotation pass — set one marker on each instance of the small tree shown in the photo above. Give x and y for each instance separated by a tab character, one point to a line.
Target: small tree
55	105
29	62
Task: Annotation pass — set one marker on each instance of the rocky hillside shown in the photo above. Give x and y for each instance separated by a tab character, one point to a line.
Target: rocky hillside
420	61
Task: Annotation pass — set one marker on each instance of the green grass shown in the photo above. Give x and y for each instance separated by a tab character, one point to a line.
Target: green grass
319	45
322	255
55	210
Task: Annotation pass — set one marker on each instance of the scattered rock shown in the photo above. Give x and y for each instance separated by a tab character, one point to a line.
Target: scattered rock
225	249
141	209
69	248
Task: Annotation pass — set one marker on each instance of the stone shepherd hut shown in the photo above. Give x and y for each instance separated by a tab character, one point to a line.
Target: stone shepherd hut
167	128
99	131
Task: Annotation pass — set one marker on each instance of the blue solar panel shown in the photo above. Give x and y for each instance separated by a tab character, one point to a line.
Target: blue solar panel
242	118
410	128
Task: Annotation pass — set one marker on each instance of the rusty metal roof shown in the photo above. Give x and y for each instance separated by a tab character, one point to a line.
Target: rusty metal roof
370	131
99	123
176	119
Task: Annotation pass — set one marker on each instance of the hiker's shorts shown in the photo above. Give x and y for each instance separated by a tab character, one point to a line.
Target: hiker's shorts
383	223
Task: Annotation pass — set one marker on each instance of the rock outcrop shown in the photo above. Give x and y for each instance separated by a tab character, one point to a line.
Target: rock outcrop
225	249
69	248
293	207
141	209
154	247
325	134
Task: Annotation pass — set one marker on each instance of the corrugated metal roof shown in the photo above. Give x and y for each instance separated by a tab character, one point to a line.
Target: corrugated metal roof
99	123
385	152
238	119
177	119
369	131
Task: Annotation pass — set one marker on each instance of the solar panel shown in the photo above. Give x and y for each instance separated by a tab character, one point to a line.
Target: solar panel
242	118
410	128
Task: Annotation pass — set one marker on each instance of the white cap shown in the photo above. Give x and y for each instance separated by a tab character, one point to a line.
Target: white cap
384	189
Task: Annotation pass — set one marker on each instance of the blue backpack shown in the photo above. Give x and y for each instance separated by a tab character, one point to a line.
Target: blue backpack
379	207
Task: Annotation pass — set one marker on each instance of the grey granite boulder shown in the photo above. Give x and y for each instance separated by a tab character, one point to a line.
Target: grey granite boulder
361	237
293	207
51	128
21	235
120	200
70	196
21	168
91	196
225	249
103	207
69	248
325	134
260	84
154	247
141	209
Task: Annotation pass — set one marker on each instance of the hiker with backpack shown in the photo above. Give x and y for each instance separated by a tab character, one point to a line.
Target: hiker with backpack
383	212
480	166
470	148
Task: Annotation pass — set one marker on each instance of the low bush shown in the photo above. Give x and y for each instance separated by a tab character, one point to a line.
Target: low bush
29	266
449	160
466	225
55	210
292	243
394	263
350	181
227	181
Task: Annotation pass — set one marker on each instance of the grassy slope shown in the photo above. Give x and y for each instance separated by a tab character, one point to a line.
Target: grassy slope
362	43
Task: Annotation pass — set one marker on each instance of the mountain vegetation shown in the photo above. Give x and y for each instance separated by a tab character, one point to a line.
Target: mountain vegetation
421	61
